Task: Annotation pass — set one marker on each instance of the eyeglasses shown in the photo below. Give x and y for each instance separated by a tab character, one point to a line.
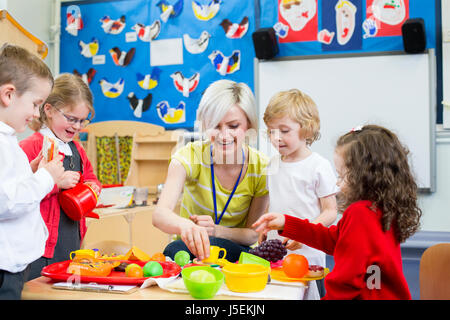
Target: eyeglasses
72	120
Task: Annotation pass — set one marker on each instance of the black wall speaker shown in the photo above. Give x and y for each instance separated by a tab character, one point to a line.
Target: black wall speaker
413	33
265	43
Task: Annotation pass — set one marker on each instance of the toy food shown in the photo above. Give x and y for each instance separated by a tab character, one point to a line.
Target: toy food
315	271
134	271
202	276
121	267
136	254
153	269
271	250
85	265
49	148
182	257
131	266
295	265
159	256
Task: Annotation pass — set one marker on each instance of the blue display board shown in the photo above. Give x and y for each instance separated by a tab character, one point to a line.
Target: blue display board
150	60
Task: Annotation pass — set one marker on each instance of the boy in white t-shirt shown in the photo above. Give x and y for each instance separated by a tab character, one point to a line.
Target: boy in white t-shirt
301	183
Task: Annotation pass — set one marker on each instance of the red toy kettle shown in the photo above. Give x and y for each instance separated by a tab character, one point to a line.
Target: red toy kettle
79	202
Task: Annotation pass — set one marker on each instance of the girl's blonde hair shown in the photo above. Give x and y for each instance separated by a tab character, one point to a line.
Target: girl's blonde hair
18	66
68	90
220	97
300	108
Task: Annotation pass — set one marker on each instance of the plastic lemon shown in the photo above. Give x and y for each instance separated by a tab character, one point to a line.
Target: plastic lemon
182	257
153	269
202	276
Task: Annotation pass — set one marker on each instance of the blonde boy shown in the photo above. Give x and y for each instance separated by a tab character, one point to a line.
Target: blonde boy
303	183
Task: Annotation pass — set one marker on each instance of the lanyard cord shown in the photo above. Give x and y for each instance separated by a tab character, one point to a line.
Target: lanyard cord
217	221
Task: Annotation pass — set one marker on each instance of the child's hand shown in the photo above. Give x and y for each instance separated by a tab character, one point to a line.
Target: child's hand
262	237
54	167
94	187
34	164
206	222
69	180
291	244
269	221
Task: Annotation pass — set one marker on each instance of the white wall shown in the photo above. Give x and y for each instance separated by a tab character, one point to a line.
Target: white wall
38	15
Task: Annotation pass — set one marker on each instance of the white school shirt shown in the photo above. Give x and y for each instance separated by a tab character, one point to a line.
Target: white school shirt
22	230
63	147
295	189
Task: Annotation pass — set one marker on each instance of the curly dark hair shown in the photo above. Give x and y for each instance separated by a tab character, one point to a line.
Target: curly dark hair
377	170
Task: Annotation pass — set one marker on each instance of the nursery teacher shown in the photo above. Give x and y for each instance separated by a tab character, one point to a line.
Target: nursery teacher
223	180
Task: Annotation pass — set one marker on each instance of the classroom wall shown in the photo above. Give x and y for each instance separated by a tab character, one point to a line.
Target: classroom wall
38	17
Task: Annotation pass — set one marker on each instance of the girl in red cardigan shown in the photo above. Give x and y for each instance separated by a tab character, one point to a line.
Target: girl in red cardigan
68	109
379	196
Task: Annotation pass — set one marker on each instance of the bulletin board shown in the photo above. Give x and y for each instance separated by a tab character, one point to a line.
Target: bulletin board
151	60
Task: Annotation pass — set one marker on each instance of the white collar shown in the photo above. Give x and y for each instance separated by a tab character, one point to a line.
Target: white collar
63	146
6	129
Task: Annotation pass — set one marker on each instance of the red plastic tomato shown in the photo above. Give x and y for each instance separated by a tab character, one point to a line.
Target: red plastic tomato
295	265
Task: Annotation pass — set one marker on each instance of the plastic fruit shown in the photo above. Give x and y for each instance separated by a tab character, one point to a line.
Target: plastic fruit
158	257
153	269
131	266
295	265
135	272
202	276
182	257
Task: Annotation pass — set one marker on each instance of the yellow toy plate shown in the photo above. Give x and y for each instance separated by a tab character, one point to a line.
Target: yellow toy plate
278	274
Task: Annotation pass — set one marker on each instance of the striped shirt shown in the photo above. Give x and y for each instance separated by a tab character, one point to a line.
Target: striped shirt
197	195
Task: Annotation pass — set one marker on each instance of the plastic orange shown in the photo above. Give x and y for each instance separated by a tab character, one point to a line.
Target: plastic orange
135	272
295	265
159	256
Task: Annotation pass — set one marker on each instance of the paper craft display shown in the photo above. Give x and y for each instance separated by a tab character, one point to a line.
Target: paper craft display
196	46
86	77
185	85
281	30
370	28
226	65
112	90
88	50
389	16
122	58
207	11
235	30
300	17
166	52
147	33
168	10
149	81
74	22
113	26
341	22
139	105
171	115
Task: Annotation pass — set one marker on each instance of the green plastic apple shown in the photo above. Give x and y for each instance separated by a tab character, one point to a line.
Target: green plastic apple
182	257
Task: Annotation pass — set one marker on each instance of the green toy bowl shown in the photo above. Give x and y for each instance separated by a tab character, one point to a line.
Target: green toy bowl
202	290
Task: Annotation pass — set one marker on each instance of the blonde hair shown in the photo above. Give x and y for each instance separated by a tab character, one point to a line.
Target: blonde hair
220	97
18	66
300	108
68	90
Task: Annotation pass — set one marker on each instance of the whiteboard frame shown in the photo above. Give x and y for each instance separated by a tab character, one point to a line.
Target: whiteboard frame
432	96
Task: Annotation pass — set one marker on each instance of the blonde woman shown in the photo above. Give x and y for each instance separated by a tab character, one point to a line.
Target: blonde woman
222	178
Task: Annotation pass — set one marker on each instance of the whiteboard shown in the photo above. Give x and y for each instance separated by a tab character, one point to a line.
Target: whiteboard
394	90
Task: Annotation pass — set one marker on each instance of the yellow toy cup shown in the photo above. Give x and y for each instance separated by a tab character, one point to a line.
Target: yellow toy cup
85	252
214	252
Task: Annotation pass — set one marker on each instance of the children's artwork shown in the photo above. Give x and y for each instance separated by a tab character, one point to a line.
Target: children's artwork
235	30
196	46
86	77
388	15
88	50
226	65
112	90
122	58
185	85
139	105
113	26
171	115
207	11
74	22
341	21
166	52
168	10
147	33
281	30
300	17
149	81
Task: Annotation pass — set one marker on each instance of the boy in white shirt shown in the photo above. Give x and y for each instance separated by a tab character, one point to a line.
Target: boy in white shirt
301	182
25	83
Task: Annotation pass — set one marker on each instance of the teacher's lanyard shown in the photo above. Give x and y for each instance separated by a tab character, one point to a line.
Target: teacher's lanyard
217	221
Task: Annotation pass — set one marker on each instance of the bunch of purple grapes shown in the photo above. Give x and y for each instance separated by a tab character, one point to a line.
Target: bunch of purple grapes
271	250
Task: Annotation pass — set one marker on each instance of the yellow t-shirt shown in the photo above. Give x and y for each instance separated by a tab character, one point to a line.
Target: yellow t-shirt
197	195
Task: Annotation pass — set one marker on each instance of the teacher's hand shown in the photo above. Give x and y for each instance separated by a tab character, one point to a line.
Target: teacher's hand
196	239
206	222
